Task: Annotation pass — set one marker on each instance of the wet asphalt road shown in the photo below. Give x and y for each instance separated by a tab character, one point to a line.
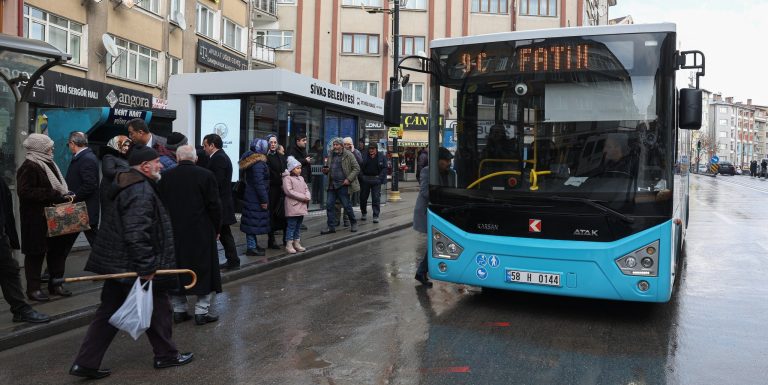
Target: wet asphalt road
356	317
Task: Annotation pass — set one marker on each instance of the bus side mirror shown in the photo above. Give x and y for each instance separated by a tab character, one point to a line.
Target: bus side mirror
392	100
689	114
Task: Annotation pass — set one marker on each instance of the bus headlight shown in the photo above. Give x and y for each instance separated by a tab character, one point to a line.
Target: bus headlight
444	247
648	257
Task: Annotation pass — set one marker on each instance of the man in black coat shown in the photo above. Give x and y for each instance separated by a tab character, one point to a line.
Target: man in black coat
83	180
135	237
191	196
221	167
298	150
10	280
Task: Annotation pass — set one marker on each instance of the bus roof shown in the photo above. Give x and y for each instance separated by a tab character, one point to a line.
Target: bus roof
553	32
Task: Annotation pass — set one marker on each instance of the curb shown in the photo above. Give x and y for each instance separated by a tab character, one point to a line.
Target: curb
74	319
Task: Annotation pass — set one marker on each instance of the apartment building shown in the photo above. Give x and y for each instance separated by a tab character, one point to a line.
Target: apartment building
735	132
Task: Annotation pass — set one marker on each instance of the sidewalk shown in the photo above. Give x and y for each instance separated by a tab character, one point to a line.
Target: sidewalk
72	312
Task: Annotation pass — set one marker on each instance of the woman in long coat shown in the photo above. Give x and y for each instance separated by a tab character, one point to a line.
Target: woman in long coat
113	160
277	164
255	218
41	184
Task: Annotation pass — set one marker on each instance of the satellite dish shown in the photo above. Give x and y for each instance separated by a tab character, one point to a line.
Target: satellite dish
178	18
109	45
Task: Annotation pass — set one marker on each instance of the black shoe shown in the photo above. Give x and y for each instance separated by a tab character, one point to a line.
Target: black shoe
353	228
181	316
32	316
38	295
181	359
260	249
255	253
362	217
59	290
77	370
273	246
375	219
346	223
329	230
422	277
229	266
202	319
304	227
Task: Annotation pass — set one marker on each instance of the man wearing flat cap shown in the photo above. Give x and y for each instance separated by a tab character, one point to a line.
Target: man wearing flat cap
135	237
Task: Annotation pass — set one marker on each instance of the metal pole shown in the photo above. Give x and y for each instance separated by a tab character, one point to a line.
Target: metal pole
394	84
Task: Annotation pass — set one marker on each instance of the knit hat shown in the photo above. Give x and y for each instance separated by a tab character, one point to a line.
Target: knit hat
140	154
259	146
337	140
176	140
292	163
443	153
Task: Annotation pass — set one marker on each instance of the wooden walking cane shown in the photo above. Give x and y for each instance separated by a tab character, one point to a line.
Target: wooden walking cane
59	281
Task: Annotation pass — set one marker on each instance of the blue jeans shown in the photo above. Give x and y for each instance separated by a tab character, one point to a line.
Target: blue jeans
250	242
342	193
293	231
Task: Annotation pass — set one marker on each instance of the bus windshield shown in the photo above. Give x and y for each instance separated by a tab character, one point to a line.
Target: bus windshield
580	117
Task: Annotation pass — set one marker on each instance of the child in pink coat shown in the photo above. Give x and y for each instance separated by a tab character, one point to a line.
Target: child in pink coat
297	196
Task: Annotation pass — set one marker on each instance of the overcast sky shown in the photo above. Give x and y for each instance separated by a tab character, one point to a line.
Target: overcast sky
733	35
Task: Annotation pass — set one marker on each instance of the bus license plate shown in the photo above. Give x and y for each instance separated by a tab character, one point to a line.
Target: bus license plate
533	278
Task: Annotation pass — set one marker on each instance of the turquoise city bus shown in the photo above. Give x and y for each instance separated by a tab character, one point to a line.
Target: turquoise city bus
571	154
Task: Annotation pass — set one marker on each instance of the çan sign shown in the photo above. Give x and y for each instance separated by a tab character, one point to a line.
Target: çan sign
417	121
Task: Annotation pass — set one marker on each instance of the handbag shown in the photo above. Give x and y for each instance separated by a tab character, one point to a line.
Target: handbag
67	218
239	190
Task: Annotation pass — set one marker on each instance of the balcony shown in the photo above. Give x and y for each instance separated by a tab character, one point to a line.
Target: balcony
263	56
264	11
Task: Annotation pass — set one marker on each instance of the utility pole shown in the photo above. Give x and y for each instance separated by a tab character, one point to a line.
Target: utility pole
394	194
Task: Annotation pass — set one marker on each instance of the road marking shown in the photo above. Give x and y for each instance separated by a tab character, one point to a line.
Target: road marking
724	218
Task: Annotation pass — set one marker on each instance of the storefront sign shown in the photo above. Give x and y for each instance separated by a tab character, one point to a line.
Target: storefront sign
417	121
61	90
373	124
218	58
395	132
160	104
121	116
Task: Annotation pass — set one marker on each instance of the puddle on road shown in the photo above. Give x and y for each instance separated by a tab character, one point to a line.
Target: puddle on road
309	359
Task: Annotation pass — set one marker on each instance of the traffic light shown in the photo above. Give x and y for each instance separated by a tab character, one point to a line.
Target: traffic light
698	146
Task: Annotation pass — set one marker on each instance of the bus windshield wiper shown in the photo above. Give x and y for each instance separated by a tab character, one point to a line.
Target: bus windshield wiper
481	205
594	204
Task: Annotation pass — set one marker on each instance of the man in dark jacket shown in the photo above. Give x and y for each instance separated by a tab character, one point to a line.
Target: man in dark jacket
298	150
139	133
374	174
135	237
83	180
10	279
191	196
221	167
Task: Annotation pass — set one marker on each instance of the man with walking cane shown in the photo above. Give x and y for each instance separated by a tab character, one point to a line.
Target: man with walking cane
135	236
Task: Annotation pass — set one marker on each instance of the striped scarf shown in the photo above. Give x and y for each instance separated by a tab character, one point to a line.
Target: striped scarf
38	147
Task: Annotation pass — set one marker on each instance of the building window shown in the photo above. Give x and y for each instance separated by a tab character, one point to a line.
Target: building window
176	6
364	86
233	35
359	44
150	5
370	3
538	7
413	93
490	6
278	40
175	66
64	34
415	4
135	62
412	45
723	122
723	110
205	21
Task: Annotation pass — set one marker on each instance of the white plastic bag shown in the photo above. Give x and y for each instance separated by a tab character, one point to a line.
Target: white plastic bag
135	315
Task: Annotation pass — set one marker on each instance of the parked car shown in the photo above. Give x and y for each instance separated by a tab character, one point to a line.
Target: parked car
726	168
703	168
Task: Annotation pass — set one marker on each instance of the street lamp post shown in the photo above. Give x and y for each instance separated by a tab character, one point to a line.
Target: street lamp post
393	85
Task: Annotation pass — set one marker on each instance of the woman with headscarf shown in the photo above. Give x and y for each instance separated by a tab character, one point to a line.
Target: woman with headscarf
255	218
277	164
40	184
114	159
